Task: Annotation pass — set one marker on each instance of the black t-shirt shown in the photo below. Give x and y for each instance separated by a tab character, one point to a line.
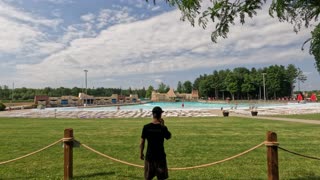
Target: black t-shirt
155	134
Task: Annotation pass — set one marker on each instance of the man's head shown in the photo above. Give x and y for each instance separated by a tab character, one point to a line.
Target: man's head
156	112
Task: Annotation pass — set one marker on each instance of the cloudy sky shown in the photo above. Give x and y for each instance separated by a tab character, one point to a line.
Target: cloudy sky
131	43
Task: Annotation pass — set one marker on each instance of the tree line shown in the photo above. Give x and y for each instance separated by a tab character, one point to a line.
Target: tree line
239	83
242	83
24	93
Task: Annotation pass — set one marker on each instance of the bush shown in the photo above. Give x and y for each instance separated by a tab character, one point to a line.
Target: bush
2	107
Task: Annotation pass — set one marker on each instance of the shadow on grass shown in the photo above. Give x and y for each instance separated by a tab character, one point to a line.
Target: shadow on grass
307	178
95	175
132	177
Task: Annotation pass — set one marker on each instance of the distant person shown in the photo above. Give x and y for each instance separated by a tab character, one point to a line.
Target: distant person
155	162
300	97
313	97
182	105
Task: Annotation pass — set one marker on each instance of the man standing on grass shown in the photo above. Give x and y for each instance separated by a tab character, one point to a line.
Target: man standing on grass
155	133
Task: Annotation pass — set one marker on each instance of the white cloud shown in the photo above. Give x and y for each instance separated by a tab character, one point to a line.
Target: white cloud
114	16
77	31
155	8
45	48
88	17
164	44
22	34
137	51
158	81
103	17
17	15
15	36
56	13
58	1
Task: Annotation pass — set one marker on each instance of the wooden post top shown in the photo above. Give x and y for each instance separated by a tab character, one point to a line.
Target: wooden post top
68	132
272	136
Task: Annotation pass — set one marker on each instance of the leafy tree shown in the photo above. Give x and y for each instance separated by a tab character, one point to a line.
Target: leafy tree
273	79
257	81
75	91
211	85
5	92
301	78
187	86
163	88
204	87
291	75
222	79
315	44
197	81
149	91
216	83
130	90
142	92
2	107
179	87
247	86
239	72
232	84
47	90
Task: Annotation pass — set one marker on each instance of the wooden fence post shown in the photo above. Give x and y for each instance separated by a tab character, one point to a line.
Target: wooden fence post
68	154
272	156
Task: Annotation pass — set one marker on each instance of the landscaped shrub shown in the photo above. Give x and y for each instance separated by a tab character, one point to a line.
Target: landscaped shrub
2	107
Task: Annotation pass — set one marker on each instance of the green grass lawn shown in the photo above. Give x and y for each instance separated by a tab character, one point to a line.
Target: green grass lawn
302	116
195	141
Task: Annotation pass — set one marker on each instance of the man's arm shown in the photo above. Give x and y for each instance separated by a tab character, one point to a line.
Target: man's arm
161	121
142	148
167	133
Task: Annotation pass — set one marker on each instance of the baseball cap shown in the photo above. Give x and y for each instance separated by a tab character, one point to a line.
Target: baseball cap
157	109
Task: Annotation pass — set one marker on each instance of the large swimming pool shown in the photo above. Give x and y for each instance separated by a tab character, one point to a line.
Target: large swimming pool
178	106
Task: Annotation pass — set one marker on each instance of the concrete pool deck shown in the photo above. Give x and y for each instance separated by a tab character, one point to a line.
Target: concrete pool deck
83	113
106	114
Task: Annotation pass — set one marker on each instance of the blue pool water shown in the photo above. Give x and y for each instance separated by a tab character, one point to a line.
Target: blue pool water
169	106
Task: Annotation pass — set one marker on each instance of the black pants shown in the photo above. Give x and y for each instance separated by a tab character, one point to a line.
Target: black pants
154	168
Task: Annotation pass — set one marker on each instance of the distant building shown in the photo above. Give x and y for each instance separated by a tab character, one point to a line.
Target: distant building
69	100
82	99
193	96
171	96
43	100
86	99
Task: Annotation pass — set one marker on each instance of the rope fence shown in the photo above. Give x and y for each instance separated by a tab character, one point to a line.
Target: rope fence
298	154
30	154
179	168
109	157
69	142
141	166
221	161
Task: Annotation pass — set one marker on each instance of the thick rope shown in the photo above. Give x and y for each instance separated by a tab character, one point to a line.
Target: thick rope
109	157
271	143
32	153
69	139
221	161
182	168
310	157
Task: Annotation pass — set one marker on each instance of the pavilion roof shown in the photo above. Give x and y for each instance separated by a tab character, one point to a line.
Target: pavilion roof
171	93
